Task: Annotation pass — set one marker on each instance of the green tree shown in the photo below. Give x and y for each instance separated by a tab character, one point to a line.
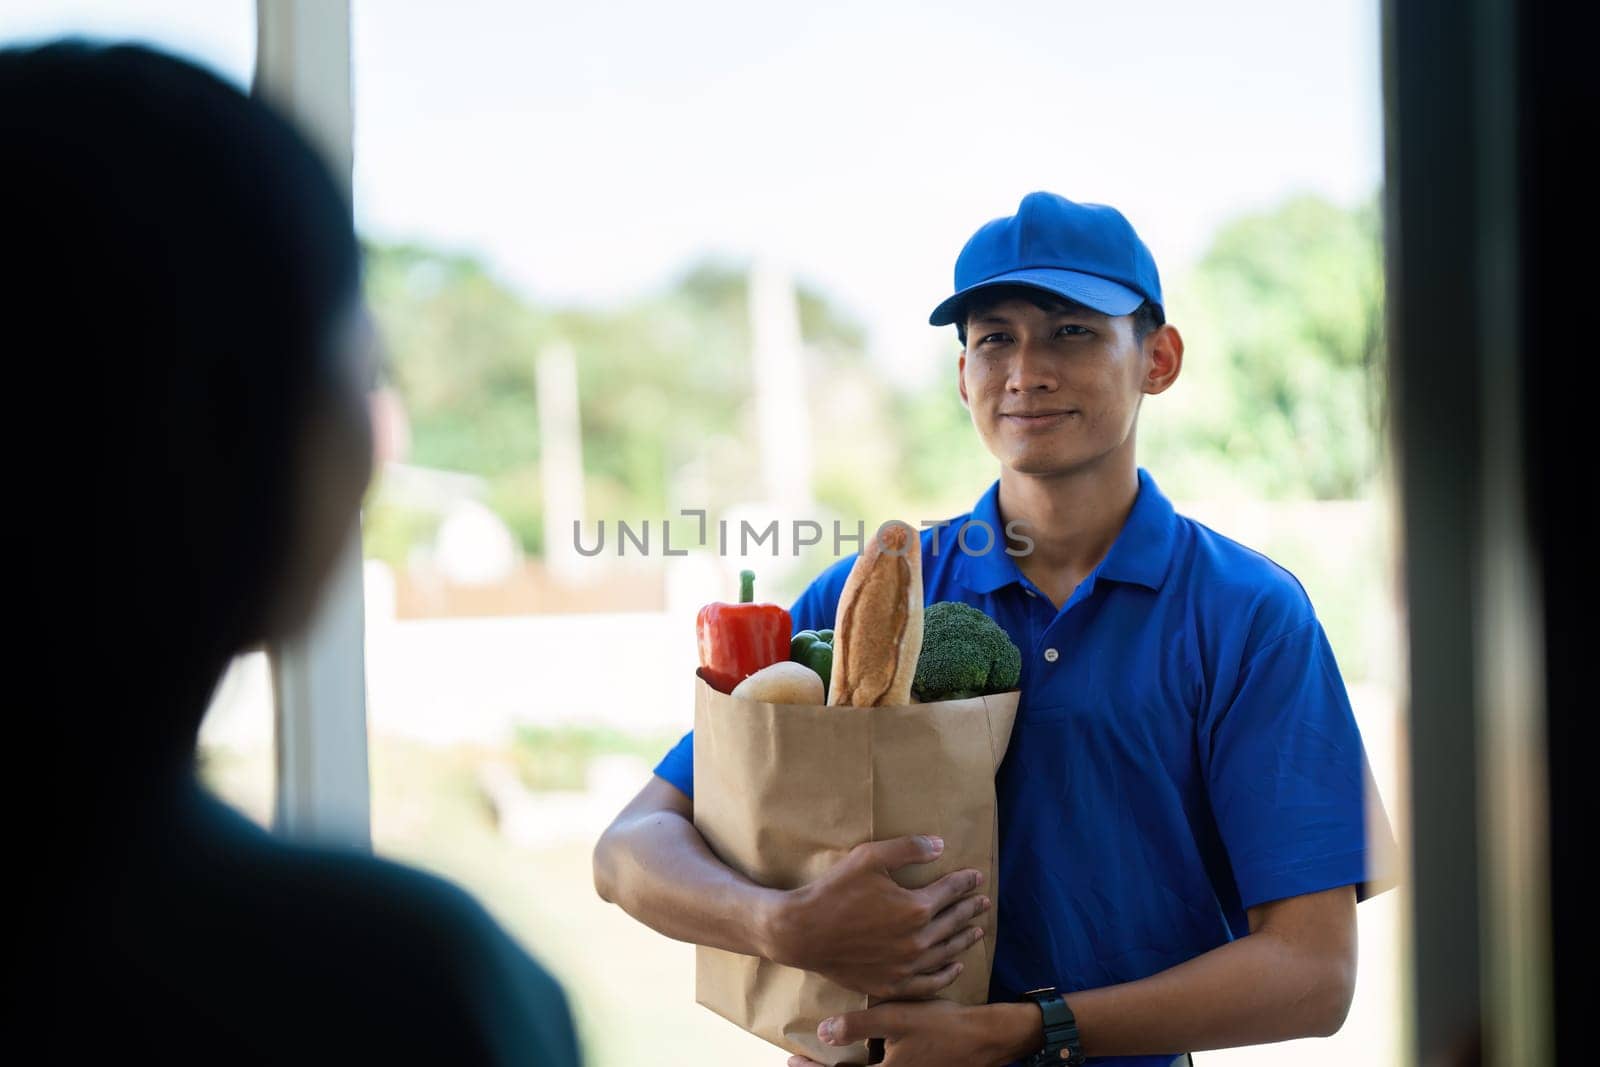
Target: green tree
1281	393
461	349
664	382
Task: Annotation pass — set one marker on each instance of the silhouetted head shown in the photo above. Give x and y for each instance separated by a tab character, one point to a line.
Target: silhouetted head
191	311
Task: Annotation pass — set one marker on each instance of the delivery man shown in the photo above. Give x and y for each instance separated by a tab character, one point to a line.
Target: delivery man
1182	808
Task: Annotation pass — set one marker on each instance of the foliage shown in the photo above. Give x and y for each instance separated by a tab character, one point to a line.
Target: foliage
1281	392
1280	397
461	348
390	530
943	463
663	382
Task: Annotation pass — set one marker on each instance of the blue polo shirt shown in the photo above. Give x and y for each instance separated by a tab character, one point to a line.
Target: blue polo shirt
1184	748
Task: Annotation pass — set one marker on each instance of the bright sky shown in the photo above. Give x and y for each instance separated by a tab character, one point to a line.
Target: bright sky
590	151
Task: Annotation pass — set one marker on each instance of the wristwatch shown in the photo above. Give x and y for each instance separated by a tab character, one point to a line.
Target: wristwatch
1060	1030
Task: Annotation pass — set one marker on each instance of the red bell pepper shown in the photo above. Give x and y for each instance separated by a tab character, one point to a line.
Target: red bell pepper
736	640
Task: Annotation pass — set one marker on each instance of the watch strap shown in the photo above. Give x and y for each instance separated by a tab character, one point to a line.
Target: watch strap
1061	1045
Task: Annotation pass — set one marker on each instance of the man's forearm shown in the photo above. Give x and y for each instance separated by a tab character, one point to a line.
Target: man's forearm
658	869
1262	988
1291	977
1252	991
1255	990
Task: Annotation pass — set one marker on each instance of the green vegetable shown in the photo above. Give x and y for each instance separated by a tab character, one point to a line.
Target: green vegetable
810	648
964	654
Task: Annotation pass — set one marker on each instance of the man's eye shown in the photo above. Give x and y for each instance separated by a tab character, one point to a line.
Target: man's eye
1073	330
997	338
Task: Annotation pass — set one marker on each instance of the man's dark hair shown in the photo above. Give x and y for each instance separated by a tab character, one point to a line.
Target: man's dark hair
185	257
1147	317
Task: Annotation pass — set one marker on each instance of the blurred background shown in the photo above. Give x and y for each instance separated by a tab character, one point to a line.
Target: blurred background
630	260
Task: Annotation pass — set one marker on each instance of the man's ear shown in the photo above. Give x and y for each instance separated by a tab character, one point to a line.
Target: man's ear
961	380
1164	359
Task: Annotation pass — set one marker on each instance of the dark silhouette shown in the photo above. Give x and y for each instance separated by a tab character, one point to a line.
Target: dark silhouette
184	339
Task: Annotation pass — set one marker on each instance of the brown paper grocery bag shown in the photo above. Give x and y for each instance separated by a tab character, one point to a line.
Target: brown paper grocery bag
783	791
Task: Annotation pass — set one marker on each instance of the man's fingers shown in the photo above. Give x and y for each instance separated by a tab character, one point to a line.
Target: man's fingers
951	888
899	852
855	1026
955	918
926	985
948	949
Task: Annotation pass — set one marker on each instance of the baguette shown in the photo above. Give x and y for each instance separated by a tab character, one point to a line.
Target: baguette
878	628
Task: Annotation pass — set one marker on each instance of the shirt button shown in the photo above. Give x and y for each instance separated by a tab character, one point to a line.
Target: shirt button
1030	592
1051	655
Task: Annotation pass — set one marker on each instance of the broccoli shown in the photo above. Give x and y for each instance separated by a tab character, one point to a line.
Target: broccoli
964	654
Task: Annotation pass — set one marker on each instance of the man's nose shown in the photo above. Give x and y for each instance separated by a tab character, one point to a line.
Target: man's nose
1031	369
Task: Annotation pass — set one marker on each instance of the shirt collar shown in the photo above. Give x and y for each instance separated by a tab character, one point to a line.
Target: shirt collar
1141	554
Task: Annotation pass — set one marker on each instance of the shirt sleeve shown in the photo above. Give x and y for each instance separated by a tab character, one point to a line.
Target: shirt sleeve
677	766
1288	777
813	610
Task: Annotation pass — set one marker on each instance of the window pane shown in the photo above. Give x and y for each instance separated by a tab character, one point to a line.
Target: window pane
219	35
633	259
236	738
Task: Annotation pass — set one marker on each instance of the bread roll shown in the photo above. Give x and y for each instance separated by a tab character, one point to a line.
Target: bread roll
878	629
784	682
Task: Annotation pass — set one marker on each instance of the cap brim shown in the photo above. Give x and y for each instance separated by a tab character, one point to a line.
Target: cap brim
1090	290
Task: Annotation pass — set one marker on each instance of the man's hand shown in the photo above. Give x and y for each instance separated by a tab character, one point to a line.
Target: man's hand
937	1033
856	926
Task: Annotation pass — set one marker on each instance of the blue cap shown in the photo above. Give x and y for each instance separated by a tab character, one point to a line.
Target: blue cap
1084	252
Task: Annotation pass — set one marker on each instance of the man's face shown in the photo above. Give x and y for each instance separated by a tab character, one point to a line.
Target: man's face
1052	392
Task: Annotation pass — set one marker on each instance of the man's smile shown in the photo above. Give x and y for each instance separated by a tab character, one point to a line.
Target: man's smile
1037	420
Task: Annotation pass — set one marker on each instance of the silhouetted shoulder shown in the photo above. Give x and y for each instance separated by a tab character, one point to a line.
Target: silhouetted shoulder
218	935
